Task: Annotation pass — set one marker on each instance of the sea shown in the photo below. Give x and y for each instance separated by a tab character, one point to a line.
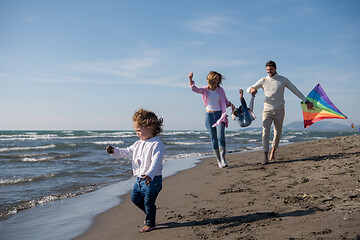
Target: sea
43	171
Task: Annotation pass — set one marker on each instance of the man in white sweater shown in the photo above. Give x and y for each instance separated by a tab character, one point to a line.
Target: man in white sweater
274	104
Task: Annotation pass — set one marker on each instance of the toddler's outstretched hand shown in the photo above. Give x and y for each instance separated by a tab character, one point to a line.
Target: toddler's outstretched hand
110	149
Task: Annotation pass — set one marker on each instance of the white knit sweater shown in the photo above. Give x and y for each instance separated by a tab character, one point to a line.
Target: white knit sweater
147	156
274	88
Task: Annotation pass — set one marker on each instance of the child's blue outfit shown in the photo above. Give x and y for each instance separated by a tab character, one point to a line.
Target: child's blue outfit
147	156
245	114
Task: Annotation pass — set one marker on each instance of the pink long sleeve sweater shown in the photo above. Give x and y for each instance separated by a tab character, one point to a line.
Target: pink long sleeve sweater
224	103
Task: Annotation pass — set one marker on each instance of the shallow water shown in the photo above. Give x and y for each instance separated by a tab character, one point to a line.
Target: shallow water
52	172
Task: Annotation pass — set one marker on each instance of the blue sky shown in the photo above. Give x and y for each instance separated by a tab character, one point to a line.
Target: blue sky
88	65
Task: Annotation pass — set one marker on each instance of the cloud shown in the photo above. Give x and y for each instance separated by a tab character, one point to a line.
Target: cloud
124	67
30	19
209	25
147	67
124	70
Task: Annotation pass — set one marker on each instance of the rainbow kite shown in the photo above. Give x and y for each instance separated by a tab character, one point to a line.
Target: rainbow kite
323	107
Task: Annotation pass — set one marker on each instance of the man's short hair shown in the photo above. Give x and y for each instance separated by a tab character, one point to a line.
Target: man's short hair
271	64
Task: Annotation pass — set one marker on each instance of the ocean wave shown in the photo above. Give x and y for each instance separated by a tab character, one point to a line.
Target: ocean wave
70	144
68	132
250	132
239	138
318	138
254	148
289	137
233	134
117	134
27	148
170	133
68	136
40	201
185	143
29	159
71	135
299	133
43	154
28	136
19	180
185	155
108	142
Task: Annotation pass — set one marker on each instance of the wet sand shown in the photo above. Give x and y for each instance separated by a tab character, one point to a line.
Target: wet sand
310	191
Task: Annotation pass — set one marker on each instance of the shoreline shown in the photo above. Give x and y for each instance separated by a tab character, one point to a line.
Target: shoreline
311	191
76	214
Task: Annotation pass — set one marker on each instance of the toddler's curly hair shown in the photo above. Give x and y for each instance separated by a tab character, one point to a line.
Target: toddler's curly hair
148	119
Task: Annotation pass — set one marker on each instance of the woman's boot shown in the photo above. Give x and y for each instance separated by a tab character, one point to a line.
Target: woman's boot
218	158
222	156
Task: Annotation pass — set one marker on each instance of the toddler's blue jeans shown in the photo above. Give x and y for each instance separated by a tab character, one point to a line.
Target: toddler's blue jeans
244	118
144	197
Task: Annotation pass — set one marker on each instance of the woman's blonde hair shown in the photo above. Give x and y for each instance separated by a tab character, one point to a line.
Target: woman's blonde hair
148	119
212	76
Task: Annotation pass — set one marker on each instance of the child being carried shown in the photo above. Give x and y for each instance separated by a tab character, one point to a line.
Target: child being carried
243	114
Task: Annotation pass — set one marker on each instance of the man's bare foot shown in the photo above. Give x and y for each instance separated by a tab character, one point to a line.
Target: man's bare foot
266	159
146	228
272	154
241	92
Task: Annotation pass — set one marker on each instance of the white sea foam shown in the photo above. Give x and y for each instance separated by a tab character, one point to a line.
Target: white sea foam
252	132
70	144
254	148
299	133
108	142
233	134
240	138
69	136
29	159
26	148
33	154
186	143
170	133
33	203
289	137
118	134
16	180
185	155
31	133
27	137
318	138
68	132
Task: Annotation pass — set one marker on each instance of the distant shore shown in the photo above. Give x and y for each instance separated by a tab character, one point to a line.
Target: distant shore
311	191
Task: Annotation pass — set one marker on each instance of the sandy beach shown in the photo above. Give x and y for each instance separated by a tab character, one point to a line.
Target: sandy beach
311	191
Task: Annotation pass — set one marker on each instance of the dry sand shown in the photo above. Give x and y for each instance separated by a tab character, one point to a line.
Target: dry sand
311	191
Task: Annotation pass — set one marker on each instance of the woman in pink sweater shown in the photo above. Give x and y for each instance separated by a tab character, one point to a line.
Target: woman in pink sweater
216	119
